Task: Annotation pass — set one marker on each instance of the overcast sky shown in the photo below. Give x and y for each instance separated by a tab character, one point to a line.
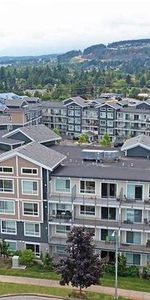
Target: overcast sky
32	27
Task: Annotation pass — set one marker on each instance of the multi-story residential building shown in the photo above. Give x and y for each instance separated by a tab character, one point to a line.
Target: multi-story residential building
74	116
19	111
45	191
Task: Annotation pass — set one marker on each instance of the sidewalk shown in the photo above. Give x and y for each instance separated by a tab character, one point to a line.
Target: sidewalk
135	295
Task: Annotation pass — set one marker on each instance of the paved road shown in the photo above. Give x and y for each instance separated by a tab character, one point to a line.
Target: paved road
134	295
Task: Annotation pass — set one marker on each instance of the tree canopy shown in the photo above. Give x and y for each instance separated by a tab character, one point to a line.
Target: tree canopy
82	267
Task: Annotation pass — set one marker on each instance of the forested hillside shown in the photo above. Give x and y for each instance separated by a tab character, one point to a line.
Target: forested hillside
125	70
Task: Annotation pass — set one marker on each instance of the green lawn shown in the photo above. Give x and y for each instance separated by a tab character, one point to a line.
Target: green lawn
137	284
11	288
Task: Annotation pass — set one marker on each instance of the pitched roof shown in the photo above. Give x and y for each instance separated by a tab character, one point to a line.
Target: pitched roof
16	102
77	100
38	154
36	133
140	140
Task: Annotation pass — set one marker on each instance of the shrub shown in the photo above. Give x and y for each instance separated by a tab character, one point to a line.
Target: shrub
48	262
133	271
27	257
146	272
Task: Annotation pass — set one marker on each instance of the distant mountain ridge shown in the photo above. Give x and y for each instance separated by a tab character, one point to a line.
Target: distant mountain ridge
120	51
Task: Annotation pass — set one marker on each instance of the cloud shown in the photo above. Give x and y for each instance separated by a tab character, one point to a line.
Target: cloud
59	25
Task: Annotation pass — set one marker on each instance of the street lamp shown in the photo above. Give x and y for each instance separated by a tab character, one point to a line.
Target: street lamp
115	234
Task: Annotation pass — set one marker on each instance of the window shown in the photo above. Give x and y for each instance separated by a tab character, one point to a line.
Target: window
6	170
62	229
110	130
134	191
62	185
102	130
134	215
133	237
29	187
107	234
7	207
87	210
12	245
108	213
148	259
108	190
77	128
110	123
110	115
103	114
6	186
29	171
61	249
77	121
77	113
70	127
30	209
133	259
70	112
87	187
103	109
70	120
32	229
8	227
102	123
34	247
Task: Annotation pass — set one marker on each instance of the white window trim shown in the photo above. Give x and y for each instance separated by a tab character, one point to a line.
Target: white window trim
11	233
136	183
85	214
29	174
62	233
63	178
7	172
6	178
28	215
11	241
29	193
30	234
34	243
4	213
87	193
110	182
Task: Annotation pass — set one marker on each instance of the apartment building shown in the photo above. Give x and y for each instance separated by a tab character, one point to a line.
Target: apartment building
24	194
74	116
17	111
46	188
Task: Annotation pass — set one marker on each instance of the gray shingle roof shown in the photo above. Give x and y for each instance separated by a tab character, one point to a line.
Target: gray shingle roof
103	172
140	140
37	133
37	153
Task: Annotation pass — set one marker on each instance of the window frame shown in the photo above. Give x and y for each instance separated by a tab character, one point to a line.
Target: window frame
63	191
30	180
85	190
6	172
11	233
8	192
30	215
85	212
27	168
8	213
31	235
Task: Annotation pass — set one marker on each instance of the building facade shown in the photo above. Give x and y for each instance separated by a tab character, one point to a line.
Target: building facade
74	116
45	191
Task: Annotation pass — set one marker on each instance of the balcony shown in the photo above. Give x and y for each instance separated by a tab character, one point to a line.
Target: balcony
61	217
